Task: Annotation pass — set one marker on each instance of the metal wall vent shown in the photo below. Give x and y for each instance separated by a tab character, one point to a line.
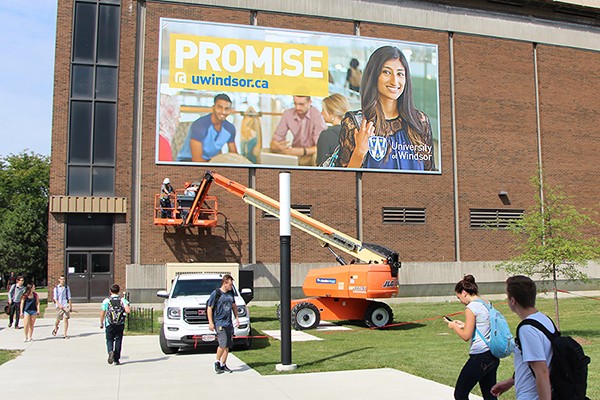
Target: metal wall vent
403	215
493	219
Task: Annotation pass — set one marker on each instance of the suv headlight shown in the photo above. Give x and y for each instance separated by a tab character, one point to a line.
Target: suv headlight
242	311
173	312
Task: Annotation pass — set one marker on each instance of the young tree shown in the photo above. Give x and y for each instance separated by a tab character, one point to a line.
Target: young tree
553	240
24	181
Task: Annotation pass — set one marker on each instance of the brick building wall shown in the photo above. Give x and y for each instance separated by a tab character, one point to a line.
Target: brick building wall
496	135
496	149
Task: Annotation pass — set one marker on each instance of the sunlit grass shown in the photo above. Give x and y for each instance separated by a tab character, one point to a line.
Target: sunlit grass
420	343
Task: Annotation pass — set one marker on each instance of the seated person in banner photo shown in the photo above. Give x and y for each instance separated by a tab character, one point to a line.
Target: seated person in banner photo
334	109
389	132
305	123
208	134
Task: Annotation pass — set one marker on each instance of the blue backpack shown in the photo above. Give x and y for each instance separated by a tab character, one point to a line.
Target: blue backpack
501	343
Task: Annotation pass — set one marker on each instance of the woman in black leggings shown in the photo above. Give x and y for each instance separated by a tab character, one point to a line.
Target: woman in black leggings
481	367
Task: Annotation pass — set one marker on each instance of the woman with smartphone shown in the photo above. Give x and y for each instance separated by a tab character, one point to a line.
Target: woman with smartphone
481	367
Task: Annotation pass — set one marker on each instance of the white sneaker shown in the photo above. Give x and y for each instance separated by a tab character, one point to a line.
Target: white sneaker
26	340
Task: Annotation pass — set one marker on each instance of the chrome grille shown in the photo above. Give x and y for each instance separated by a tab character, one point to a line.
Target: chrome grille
195	315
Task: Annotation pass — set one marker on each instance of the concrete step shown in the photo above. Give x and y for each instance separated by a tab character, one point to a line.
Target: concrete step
80	310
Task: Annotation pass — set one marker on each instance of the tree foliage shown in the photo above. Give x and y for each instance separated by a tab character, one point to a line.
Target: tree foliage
24	181
553	240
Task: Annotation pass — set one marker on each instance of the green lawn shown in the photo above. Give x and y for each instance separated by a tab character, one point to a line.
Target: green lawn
7	355
421	343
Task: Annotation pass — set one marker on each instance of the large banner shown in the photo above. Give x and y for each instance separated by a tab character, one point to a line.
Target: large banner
240	95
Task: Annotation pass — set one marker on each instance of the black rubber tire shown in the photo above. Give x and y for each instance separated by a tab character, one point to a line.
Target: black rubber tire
248	344
163	342
378	314
305	315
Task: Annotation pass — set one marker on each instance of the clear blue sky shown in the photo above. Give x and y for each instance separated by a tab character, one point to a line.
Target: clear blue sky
27	44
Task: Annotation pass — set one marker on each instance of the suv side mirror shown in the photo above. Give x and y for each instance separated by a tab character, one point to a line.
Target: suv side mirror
247	295
163	293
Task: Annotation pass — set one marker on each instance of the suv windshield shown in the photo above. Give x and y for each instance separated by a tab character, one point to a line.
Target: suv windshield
197	287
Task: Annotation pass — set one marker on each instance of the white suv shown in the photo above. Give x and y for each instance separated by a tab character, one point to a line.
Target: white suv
185	323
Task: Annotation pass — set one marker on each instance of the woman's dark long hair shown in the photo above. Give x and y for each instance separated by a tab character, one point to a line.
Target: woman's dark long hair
28	290
369	95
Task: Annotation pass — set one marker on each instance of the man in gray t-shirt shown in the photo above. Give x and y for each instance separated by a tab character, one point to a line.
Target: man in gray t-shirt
15	293
218	309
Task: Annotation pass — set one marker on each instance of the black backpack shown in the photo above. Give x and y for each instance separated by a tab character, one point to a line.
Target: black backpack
569	365
116	312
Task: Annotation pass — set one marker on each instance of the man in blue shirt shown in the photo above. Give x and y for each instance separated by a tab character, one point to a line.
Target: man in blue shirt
64	306
219	306
207	135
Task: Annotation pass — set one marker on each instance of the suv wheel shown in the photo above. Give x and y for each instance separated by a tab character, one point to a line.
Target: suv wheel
164	345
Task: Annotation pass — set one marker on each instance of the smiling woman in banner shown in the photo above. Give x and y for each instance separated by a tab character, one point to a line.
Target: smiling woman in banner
388	132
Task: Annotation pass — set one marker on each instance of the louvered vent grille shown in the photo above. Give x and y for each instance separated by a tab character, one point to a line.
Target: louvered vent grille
493	219
403	215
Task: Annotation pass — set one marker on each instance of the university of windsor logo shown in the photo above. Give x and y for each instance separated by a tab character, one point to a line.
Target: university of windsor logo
377	147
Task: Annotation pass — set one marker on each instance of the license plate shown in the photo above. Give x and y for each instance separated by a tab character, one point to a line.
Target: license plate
208	338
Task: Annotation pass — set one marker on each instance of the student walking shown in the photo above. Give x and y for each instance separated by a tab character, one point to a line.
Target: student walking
482	365
30	310
64	307
15	293
114	310
532	358
219	306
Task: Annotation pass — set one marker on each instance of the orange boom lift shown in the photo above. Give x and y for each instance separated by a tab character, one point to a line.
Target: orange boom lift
344	292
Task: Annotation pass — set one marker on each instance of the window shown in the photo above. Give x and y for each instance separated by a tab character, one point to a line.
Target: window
105	126
94	90
79	181
100	263
89	231
403	215
84	32
493	219
108	34
80	128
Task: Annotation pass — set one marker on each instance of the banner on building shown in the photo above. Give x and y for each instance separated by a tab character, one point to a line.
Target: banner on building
254	96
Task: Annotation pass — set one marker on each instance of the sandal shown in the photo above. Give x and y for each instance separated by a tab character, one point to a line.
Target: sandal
54	331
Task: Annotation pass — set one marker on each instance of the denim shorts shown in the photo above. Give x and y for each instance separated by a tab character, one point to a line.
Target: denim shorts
31	312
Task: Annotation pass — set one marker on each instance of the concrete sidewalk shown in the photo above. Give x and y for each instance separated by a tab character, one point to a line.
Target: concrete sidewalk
55	368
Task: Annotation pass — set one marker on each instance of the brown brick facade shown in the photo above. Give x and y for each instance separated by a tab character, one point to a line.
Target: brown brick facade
496	149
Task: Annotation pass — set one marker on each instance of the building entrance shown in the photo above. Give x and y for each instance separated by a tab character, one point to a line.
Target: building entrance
89	275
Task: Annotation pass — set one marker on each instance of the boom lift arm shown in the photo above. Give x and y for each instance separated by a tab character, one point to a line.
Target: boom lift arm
344	292
327	236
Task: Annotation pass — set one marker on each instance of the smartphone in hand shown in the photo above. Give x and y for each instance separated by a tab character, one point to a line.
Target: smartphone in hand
447	319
